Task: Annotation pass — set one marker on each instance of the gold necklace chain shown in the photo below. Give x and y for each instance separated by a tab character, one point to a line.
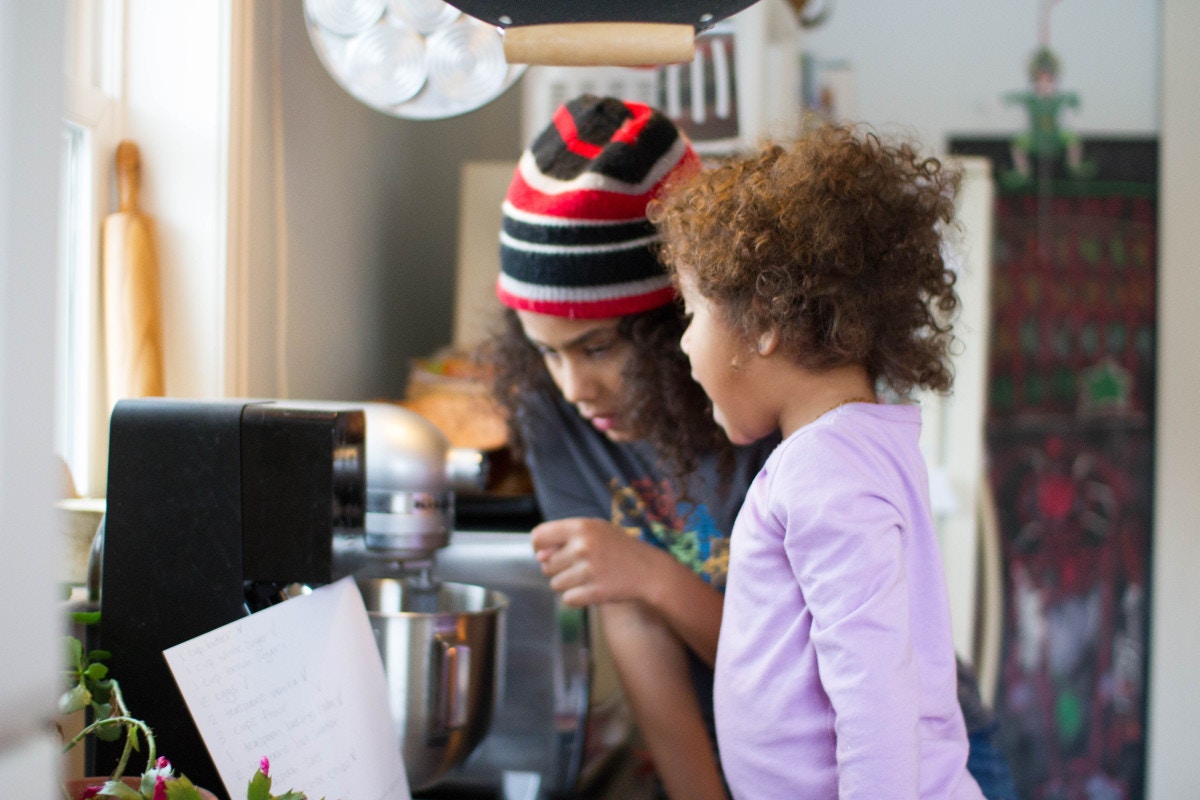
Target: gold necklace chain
835	406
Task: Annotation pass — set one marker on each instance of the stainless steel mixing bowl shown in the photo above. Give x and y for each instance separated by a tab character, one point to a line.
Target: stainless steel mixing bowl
442	648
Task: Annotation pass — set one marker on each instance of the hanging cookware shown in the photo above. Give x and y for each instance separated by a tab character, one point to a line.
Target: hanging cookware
700	14
416	59
615	33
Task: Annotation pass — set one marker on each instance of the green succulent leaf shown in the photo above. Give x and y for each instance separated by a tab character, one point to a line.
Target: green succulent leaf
109	733
259	788
182	789
101	695
74	652
86	617
96	672
74	699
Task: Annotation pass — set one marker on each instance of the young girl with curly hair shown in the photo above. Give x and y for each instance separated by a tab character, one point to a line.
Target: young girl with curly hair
813	274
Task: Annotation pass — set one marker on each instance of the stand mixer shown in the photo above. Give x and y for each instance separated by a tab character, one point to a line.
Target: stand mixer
441	642
218	508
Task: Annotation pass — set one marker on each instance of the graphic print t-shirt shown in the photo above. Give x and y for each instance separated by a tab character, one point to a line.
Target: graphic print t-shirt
578	472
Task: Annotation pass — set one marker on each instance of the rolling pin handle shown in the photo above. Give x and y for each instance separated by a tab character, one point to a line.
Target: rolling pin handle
129	175
592	44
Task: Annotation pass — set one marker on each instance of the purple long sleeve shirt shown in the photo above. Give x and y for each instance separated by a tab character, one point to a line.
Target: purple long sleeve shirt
835	672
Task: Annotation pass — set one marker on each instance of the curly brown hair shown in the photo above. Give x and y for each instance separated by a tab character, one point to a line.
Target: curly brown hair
834	240
667	407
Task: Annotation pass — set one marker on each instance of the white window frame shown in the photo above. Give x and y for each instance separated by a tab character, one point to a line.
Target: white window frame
92	123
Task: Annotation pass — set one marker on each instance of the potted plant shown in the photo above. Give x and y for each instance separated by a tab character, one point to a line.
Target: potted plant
89	687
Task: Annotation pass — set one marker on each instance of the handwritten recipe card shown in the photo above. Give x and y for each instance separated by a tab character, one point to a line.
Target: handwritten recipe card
302	683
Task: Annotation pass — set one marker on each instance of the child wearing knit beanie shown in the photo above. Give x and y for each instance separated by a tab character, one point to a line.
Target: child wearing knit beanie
597	394
575	241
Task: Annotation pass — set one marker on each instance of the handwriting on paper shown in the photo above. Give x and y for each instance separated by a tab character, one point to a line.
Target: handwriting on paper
301	683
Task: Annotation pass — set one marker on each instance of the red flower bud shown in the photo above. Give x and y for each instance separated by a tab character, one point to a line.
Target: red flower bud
264	766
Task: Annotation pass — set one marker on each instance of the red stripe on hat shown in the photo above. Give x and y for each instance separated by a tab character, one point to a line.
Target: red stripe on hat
632	128
596	309
597	204
579	204
565	123
628	132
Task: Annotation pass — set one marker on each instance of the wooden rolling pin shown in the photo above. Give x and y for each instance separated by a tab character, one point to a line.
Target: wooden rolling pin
587	44
132	317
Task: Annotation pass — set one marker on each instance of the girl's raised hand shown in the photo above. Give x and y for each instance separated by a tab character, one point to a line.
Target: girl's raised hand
590	560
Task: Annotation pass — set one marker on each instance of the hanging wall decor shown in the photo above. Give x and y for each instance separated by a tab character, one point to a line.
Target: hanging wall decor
1070	438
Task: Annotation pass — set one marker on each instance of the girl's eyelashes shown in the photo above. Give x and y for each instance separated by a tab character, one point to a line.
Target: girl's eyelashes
590	350
548	354
603	348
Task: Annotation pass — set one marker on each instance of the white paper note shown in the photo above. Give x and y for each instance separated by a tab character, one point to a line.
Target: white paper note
301	683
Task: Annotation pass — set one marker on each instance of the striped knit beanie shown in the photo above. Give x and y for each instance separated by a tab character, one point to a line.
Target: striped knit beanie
575	241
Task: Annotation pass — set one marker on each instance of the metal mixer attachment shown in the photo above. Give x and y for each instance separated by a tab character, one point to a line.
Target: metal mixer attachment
412	473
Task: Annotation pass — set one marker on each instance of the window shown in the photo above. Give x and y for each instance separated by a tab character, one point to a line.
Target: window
92	66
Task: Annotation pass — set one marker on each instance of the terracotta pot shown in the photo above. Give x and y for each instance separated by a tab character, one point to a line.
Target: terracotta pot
75	786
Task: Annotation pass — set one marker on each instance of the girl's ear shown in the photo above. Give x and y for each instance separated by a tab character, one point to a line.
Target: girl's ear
768	341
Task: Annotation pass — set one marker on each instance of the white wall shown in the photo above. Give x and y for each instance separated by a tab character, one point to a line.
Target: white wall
1174	770
30	110
176	72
